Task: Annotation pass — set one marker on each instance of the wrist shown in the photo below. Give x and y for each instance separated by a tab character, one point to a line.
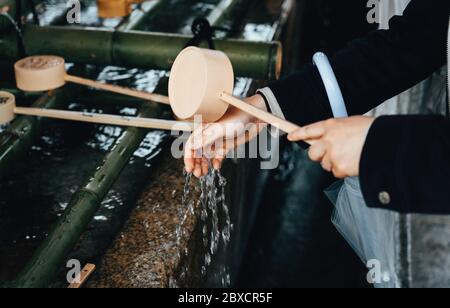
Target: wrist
259	102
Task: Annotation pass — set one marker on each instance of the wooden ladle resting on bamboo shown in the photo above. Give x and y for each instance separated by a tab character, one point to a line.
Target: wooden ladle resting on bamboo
201	83
8	110
42	73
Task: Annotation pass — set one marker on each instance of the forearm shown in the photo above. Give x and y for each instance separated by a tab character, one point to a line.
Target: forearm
372	69
405	164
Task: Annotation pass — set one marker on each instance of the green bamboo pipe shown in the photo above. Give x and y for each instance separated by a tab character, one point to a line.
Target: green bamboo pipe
259	60
41	269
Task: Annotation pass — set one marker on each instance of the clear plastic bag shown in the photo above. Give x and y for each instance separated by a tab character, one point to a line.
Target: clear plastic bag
370	232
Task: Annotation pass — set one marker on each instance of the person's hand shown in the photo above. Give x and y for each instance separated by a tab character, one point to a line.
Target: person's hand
336	143
211	142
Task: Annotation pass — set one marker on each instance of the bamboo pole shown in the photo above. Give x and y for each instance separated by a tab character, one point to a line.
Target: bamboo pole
260	60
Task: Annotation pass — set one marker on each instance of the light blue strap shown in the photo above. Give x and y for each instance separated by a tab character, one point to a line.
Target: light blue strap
331	85
334	95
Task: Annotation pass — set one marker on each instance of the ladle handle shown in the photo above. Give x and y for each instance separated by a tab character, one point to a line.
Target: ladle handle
86	272
116	89
107	119
262	115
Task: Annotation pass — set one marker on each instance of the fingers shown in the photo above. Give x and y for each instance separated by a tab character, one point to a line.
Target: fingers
313	131
314	134
218	159
326	163
212	142
198	171
317	151
189	165
202	165
217	163
189	161
205	166
199	164
340	170
206	136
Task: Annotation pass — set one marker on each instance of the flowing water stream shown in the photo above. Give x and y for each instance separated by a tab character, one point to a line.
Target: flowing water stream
214	216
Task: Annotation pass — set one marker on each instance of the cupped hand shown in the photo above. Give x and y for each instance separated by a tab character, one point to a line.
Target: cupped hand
210	143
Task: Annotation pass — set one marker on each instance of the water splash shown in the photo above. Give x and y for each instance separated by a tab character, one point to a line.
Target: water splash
226	232
186	207
214	216
214	205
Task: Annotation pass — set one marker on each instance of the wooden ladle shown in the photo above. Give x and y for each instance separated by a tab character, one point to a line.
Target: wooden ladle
115	8
8	110
201	82
42	73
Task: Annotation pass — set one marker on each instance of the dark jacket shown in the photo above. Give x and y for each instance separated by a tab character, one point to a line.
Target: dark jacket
405	164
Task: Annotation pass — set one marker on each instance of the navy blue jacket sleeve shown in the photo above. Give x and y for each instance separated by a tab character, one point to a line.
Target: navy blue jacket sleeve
374	68
407	158
405	164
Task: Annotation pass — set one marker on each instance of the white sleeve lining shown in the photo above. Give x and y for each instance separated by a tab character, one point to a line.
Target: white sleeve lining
274	107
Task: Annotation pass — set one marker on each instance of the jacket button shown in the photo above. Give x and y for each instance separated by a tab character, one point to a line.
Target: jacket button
384	198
